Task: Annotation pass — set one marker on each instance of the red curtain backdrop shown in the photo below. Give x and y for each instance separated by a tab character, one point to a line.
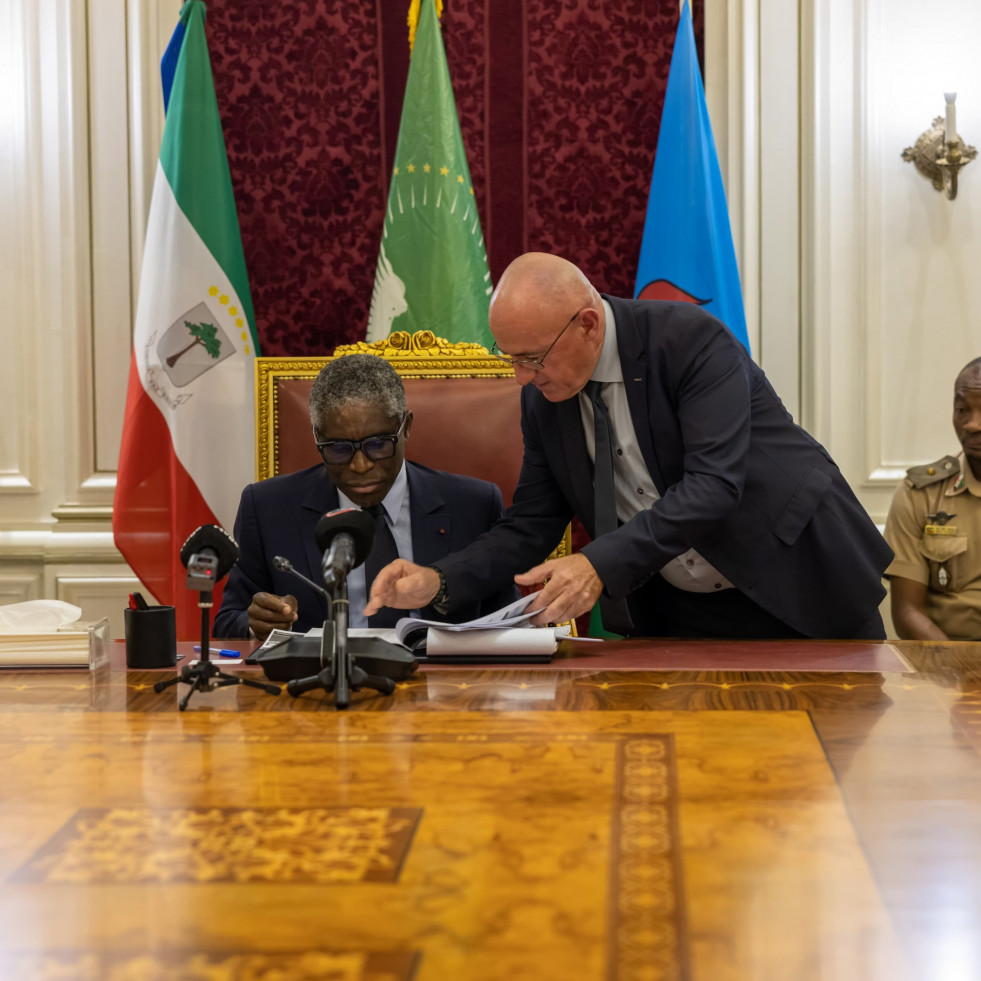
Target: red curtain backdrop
559	103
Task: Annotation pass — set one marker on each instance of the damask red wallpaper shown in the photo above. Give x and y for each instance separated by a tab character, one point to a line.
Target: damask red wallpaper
559	104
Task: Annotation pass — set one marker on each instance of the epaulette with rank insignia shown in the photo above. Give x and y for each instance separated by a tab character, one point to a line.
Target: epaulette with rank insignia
932	473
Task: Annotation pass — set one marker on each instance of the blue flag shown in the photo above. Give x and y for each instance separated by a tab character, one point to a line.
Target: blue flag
168	63
686	252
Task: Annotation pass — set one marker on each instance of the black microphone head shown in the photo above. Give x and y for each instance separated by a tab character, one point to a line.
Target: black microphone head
358	524
282	564
218	540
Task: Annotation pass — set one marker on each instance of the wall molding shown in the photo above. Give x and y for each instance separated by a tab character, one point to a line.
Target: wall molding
57	546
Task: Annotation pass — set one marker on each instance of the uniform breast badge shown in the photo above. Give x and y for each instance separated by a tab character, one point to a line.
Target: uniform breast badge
938	524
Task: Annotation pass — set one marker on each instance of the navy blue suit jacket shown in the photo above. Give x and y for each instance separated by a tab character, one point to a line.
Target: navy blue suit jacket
739	481
278	517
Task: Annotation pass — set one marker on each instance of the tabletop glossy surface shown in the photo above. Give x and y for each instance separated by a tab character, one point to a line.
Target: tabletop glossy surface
635	810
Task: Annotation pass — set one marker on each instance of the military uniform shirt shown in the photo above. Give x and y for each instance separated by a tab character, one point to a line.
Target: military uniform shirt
949	564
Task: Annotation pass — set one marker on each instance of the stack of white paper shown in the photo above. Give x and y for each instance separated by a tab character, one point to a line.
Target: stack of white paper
497	635
496	642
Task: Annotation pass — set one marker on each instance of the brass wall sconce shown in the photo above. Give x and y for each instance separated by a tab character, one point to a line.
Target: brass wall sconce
940	153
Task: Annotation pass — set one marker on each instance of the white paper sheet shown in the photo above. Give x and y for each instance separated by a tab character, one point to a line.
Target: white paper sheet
503	642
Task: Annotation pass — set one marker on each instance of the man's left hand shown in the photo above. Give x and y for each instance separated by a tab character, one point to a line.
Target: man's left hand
572	588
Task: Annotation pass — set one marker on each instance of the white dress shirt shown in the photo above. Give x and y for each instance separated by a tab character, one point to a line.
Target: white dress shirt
397	515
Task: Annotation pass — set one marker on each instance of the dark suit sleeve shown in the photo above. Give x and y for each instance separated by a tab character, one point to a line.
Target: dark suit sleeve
248	577
531	528
708	391
477	507
509	592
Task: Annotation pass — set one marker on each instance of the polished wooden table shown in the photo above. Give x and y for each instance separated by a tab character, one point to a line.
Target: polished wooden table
632	811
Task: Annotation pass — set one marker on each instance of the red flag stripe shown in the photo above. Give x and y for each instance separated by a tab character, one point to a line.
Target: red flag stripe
157	505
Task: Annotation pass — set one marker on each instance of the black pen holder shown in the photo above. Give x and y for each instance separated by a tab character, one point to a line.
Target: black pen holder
151	637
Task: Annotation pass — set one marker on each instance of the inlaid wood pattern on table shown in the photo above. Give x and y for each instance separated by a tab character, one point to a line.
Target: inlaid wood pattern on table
611	845
816	823
223	844
191	965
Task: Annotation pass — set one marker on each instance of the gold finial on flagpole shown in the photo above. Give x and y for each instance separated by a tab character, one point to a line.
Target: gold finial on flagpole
413	19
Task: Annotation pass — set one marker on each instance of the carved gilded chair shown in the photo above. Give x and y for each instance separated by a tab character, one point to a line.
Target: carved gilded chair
453	390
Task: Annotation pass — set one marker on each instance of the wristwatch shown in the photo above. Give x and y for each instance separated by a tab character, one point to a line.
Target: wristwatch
440	602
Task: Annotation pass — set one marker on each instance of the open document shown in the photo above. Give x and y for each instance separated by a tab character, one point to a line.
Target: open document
498	637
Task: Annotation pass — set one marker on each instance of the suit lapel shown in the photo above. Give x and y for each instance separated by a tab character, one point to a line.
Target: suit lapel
432	524
631	350
321	498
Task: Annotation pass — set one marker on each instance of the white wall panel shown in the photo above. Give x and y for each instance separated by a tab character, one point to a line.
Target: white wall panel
17	78
732	68
752	91
20	586
779	181
112	313
890	265
928	248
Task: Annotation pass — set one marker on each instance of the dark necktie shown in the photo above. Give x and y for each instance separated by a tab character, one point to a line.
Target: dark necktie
383	551
616	616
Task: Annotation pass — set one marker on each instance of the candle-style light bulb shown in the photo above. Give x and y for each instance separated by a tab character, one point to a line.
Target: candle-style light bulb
950	122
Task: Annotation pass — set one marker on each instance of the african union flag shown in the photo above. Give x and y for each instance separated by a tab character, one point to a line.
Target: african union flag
432	271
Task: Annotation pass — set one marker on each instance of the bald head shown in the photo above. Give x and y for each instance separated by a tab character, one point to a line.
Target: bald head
544	306
967	413
969	375
537	284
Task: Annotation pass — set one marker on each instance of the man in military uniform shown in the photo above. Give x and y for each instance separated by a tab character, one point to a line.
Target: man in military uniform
934	527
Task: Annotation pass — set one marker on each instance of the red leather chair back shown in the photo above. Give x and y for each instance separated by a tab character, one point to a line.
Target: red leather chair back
462	425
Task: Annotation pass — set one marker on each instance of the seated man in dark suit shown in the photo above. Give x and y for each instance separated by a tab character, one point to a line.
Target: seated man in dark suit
360	424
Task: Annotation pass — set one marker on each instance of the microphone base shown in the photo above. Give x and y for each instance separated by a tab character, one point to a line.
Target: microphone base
341	668
205	675
300	658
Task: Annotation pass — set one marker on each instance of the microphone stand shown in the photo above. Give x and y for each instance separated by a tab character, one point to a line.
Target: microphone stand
341	673
205	675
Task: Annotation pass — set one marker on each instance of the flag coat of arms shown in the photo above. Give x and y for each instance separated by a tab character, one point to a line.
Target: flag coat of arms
432	271
686	252
188	432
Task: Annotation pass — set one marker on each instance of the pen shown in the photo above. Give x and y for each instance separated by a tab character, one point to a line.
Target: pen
137	602
223	651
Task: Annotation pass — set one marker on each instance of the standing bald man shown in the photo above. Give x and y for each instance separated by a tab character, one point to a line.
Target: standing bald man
712	513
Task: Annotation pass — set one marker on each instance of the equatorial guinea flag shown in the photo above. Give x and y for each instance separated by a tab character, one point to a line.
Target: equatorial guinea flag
188	432
432	271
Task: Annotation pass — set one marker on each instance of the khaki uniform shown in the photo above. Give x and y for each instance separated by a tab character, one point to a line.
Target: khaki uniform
934	527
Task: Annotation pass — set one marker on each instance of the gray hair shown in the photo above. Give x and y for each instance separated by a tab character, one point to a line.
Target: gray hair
356	378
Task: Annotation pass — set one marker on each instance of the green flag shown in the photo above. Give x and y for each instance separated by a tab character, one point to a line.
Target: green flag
432	271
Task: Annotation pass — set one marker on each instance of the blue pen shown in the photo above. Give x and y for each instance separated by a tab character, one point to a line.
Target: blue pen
224	652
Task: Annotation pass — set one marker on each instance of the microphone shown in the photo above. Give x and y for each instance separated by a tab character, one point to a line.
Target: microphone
208	555
284	565
345	537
